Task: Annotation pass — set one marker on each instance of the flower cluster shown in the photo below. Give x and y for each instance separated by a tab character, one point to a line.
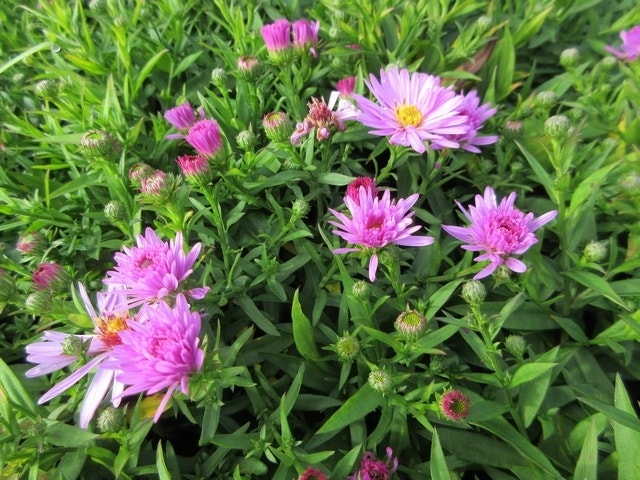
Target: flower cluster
416	111
145	338
278	40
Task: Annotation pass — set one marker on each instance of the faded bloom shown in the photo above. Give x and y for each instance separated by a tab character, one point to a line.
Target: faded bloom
630	45
410	324
30	243
58	350
194	167
159	352
455	405
153	270
375	223
321	119
204	136
414	110
500	230
312	474
373	469
368	183
50	276
277	36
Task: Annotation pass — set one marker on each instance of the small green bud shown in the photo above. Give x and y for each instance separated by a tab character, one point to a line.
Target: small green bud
347	348
300	208
606	65
38	302
483	23
246	139
516	345
380	380
361	289
569	57
437	364
516	166
110	420
115	211
277	126
218	76
512	130
47	89
410	324
546	99
502	274
594	251
630	183
557	127
474	292
74	346
99	7
99	144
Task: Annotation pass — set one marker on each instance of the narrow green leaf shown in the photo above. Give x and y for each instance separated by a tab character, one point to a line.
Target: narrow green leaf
530	27
25	54
83	181
63	435
440	297
588	188
256	316
506	59
597	284
303	331
528	372
364	401
333	178
161	466
543	176
615	414
587	466
13	389
146	71
626	439
438	466
346	463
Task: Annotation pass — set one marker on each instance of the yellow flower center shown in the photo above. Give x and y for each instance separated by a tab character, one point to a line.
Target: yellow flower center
110	326
408	115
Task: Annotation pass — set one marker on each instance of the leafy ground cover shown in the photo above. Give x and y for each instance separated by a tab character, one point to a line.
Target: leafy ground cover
345	240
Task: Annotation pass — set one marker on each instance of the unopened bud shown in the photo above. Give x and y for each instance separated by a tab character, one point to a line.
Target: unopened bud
512	130
218	76
516	345
546	99
594	251
300	208
380	380
474	292
249	66
360	289
99	144
7	286
115	211
347	348
569	57
31	244
557	127
110	420
483	23
74	346
246	139
50	276
277	126
47	89
38	302
139	172
410	324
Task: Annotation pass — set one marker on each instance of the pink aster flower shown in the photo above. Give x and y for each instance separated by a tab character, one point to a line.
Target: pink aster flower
630	45
153	270
277	35
205	137
375	223
477	115
305	35
312	474
413	110
500	230
58	350
368	183
455	405
342	99
373	469
159	352
182	117
193	166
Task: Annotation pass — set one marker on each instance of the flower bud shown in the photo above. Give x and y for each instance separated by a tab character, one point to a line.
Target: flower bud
300	208
502	274
516	345
249	66
99	144
110	420
483	23
380	380
312	474
139	172
546	99
557	127
115	211
7	285
569	57
455	405
361	289
594	251
605	65
410	324
630	183
47	89
347	348
437	364
474	292
277	126
50	276
38	302
99	7
246	140
218	77
157	185
31	244
195	168
74	346
512	130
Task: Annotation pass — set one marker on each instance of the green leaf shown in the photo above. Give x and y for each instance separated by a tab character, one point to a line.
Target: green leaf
146	71
25	54
440	297
333	178
256	316
438	466
364	401
83	181
587	466
161	466
303	331
63	435
506	61
543	177
528	372
346	463
12	388
615	414
597	284
588	188
627	440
